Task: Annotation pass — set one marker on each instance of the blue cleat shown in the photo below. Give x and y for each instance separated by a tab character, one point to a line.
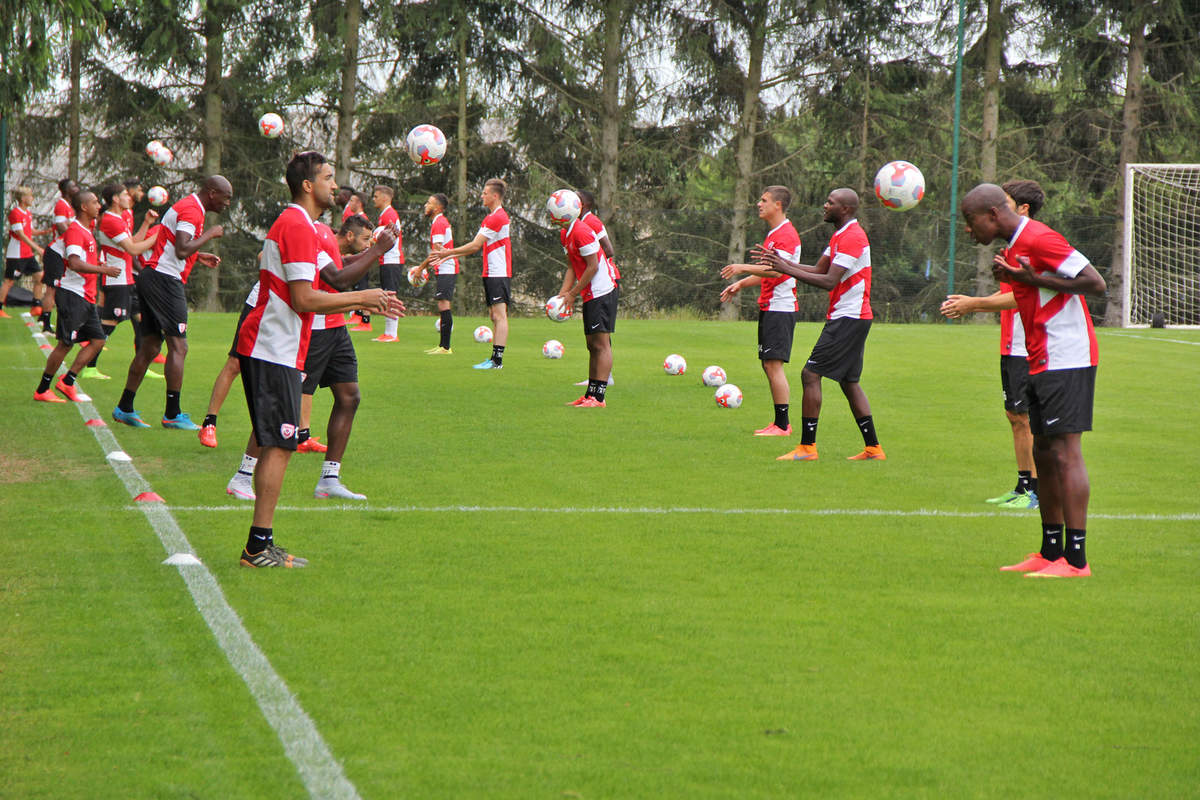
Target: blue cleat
130	418
488	364
181	423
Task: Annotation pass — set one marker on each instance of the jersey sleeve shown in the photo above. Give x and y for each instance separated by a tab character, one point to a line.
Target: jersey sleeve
74	243
585	241
850	248
15	220
439	232
113	228
62	211
1054	252
298	252
190	219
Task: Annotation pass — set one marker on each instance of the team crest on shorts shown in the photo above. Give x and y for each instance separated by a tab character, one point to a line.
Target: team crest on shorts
182	327
118	312
287	430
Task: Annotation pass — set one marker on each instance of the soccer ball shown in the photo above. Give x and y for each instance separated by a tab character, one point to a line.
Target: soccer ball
558	310
159	153
675	364
153	146
553	349
728	396
417	277
713	376
437	324
426	145
899	185
563	206
270	125
157	196
483	334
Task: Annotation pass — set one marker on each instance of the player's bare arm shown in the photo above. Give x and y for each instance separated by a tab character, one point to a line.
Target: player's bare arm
1088	281
148	220
354	267
824	274
730	270
82	267
729	291
378	301
957	305
20	234
186	245
471	247
570	293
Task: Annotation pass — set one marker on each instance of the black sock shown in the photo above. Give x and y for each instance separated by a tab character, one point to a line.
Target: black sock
867	426
258	539
126	401
781	416
498	354
1075	552
44	383
365	316
210	419
601	390
172	405
1023	479
809	434
108	331
45	320
1052	542
1033	484
69	378
447	318
302	435
591	390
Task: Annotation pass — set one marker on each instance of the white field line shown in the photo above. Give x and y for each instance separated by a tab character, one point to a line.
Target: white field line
321	773
807	512
1151	338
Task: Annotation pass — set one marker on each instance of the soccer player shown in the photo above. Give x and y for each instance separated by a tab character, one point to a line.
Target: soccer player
118	246
164	302
844	270
77	317
494	240
273	342
391	263
52	258
19	258
777	304
587	204
589	277
441	237
353	206
1048	278
1026	198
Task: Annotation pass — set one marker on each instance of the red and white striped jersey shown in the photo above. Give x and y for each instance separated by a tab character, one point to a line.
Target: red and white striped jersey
185	216
579	240
329	253
1012	332
441	233
19	219
396	254
110	232
127	215
274	331
497	250
779	294
63	213
849	249
78	241
594	222
1058	327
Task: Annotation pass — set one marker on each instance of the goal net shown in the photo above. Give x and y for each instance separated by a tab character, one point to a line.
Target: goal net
1162	244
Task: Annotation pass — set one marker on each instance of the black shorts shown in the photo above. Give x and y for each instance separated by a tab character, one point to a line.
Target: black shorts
775	329
1014	374
135	305
164	304
390	277
445	287
600	314
273	399
331	359
14	268
1060	401
838	353
118	300
77	319
237	331
497	290
52	267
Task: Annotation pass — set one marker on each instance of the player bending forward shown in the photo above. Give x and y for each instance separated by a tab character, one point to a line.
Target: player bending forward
1048	277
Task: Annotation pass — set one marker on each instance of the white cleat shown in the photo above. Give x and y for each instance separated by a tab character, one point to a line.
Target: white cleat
240	487
335	489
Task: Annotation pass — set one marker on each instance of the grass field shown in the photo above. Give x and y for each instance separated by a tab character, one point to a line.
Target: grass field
638	601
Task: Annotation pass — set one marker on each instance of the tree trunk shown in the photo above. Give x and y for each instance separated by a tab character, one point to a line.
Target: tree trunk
460	193
610	99
347	103
213	120
993	41
76	58
864	134
1131	118
744	153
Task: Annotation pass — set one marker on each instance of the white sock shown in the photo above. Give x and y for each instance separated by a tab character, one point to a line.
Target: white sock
248	465
391	326
331	470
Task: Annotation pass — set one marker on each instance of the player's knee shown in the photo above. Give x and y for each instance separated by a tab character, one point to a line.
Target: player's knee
347	396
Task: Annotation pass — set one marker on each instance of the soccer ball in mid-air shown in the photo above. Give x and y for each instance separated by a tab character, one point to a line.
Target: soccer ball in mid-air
417	277
270	125
553	349
483	334
426	144
558	310
159	153
675	364
713	376
899	185
157	196
563	206
728	396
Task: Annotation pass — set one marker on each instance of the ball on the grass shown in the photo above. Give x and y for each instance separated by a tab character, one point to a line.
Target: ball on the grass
899	185
437	324
728	396
270	125
713	376
558	310
675	364
426	144
553	349
157	196
483	334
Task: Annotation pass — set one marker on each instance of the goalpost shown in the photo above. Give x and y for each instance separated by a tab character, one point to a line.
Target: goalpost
1162	244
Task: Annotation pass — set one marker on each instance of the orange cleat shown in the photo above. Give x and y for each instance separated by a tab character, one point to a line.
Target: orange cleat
591	402
386	338
872	452
311	445
1062	569
208	436
36	310
4	314
365	326
47	396
774	430
1033	563
803	452
578	401
160	359
72	392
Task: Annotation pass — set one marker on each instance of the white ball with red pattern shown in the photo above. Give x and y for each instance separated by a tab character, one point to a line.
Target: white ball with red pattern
558	310
713	376
270	125
564	206
417	278
728	396
675	364
157	196
426	144
899	185
483	334
159	153
553	349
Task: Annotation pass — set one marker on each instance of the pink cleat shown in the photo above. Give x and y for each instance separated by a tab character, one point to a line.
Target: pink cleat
774	430
1032	563
1062	569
